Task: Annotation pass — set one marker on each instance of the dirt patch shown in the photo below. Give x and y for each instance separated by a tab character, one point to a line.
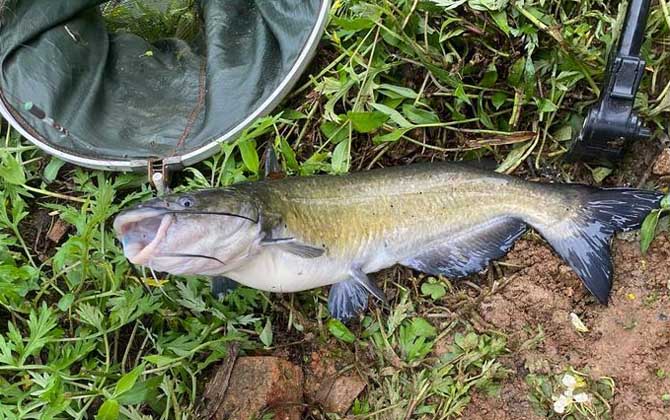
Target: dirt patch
629	340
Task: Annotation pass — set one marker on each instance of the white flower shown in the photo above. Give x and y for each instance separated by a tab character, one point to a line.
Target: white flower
569	382
562	403
582	397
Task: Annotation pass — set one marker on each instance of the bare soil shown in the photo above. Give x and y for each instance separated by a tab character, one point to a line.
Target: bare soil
629	340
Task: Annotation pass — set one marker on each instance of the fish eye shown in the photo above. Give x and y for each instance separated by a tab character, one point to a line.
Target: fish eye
186	202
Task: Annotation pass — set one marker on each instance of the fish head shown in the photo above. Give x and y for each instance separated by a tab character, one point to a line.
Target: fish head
195	233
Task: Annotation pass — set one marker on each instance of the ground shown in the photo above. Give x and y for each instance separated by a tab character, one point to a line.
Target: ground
628	340
84	334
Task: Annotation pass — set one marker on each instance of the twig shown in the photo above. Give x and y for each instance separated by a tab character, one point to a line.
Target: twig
215	390
53	194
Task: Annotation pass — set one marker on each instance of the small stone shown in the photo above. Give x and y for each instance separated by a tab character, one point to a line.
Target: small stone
262	385
662	164
58	230
338	394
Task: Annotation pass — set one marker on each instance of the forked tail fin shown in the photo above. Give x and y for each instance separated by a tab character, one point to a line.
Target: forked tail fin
584	240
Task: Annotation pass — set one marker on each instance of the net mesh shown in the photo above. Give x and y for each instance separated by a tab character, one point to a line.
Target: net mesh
125	82
154	19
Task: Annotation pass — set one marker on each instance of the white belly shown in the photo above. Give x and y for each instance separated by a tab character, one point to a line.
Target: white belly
275	270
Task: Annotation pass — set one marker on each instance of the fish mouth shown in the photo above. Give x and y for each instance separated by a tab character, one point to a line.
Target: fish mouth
141	231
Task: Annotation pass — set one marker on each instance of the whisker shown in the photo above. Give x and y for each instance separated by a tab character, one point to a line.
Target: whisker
207	257
214	213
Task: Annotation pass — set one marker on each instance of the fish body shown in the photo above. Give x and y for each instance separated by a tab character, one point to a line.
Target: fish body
373	220
300	233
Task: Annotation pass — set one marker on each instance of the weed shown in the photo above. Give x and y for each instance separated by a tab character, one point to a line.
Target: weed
572	394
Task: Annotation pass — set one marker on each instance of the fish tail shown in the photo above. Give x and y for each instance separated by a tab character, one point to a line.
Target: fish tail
583	240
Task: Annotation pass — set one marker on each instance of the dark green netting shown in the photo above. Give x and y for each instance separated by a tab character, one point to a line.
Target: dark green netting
119	97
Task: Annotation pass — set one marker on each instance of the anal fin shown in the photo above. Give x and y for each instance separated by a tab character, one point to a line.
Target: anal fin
469	252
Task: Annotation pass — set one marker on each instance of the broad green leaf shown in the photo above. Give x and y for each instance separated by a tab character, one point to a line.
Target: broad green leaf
11	170
334	132
490	76
459	92
249	155
484	5
419	116
159	360
367	122
514	158
665	202
466	342
288	154
442	74
423	328
65	302
51	170
109	410
484	117
500	18
600	173
648	230
545	105
415	338
356	24
266	334
498	99
142	391
340	331
564	133
434	290
394	135
529	77
393	91
128	380
515	75
449	4
395	116
316	162
293	115
341	159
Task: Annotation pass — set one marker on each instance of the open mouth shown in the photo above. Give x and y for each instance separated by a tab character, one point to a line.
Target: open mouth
141	231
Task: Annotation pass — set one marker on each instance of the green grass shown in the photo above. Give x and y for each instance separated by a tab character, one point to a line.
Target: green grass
82	332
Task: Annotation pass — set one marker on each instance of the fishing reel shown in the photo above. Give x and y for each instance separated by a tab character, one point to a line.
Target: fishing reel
612	124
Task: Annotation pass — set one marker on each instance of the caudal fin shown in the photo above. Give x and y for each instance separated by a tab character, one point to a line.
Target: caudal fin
584	240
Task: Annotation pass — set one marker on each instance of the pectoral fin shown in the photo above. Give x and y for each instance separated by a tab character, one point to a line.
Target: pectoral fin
295	247
272	168
349	298
221	286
